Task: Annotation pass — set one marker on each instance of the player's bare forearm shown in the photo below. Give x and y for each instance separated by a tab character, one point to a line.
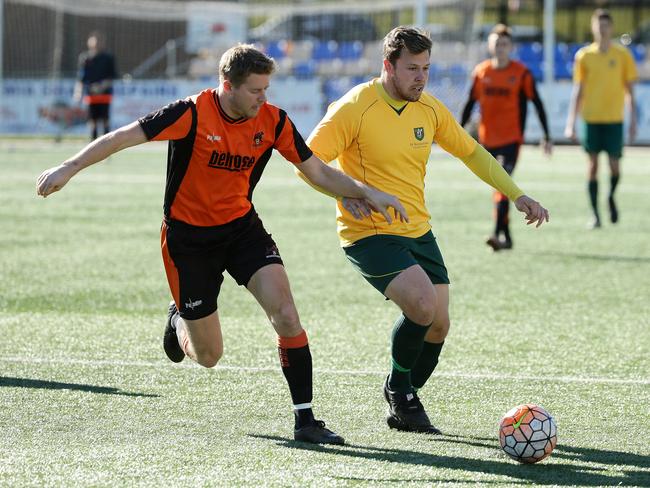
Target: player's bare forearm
55	178
334	181
330	180
574	104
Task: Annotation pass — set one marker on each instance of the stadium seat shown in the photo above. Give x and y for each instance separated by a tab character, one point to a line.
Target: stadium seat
536	68
350	51
530	52
457	72
562	53
573	49
563	70
639	52
304	69
324	50
276	49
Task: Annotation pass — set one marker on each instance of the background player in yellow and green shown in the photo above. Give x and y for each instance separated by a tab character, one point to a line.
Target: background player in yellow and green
381	132
604	73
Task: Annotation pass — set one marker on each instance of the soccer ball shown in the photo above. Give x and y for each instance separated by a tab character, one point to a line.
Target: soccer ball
527	433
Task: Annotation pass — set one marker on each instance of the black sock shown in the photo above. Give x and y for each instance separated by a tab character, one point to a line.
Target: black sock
503	208
407	341
93	134
426	363
303	416
295	359
613	180
593	196
497	221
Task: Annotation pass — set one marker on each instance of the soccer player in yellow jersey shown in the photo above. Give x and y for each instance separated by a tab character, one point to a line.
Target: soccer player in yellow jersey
603	73
381	132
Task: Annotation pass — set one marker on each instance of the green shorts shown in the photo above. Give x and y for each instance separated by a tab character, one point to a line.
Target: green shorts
603	137
380	258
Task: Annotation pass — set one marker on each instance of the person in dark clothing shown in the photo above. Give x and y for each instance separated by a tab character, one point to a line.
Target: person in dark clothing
95	83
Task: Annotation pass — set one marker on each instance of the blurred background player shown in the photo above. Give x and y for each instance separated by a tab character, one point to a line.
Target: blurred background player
381	132
603	73
95	82
502	87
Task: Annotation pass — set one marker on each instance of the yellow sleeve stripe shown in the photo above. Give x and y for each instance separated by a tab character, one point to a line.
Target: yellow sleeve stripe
483	165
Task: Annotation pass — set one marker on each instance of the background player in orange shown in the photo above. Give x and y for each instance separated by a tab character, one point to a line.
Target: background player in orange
502	87
603	74
219	143
95	82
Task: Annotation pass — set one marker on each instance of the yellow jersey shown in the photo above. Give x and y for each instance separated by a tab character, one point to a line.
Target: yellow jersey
386	144
604	77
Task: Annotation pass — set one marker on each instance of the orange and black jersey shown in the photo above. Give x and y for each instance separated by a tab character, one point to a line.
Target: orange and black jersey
503	95
214	161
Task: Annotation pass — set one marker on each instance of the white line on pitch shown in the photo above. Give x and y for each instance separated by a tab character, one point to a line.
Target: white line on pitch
470	376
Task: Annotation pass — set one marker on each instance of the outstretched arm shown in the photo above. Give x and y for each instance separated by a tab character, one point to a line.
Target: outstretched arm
55	178
547	144
632	109
333	182
574	104
483	165
467	110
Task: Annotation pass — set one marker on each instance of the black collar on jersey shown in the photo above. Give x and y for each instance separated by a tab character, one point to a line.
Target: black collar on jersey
398	111
223	113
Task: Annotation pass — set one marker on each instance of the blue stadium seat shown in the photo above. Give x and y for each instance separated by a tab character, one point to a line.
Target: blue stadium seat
573	49
457	72
530	52
304	69
563	70
276	49
350	51
639	52
536	69
324	50
562	53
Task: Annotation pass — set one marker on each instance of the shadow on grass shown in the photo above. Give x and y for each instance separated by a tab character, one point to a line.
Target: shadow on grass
55	385
597	257
545	473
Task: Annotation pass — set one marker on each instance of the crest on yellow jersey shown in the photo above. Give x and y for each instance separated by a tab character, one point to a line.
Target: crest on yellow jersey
419	133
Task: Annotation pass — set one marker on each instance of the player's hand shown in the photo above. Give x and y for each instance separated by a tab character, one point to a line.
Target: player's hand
570	133
632	131
533	210
357	207
380	201
53	180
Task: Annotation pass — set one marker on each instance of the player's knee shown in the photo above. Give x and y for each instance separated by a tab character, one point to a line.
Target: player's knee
285	319
208	357
439	328
421	309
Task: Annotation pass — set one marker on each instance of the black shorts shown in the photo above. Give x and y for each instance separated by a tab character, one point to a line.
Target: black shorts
506	155
98	111
196	257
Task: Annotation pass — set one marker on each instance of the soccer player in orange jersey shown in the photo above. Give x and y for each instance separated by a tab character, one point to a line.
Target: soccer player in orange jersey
503	87
220	140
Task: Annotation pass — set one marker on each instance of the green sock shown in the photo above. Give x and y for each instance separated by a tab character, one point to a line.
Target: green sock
425	364
407	341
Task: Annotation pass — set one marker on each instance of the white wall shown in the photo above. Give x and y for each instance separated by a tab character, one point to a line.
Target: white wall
23	101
